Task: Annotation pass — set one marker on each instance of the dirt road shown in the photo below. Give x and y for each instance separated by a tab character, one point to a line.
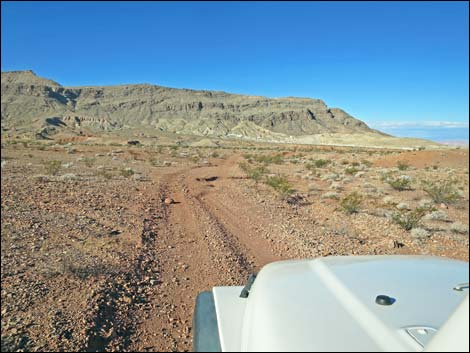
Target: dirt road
206	238
94	259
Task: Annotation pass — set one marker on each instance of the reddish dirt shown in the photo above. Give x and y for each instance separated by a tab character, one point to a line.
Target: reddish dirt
423	159
101	263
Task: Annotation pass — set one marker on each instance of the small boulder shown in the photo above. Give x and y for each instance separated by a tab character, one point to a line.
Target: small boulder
169	201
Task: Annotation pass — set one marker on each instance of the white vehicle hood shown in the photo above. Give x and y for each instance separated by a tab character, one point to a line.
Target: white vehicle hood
329	304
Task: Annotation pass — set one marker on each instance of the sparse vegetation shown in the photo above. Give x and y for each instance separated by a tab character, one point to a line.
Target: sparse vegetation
280	184
330	195
52	167
320	163
351	170
89	162
409	219
458	227
419	234
104	174
351	203
402	165
441	191
401	183
269	159
255	173
126	172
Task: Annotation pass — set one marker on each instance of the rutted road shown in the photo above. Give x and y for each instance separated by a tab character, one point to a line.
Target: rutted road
206	239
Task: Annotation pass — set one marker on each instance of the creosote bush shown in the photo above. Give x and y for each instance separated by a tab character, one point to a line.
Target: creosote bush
351	170
255	173
409	219
351	203
280	184
401	183
320	163
441	191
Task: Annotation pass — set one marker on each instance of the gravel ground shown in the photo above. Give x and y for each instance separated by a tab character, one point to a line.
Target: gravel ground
107	250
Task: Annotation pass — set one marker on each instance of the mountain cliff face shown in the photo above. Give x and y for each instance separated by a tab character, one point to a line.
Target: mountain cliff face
31	100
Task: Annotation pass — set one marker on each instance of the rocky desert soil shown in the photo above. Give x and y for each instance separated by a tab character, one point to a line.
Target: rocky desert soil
105	246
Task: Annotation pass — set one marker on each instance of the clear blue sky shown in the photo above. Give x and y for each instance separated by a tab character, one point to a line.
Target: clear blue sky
380	61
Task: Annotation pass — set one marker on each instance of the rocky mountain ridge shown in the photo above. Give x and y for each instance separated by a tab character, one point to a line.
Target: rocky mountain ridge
28	99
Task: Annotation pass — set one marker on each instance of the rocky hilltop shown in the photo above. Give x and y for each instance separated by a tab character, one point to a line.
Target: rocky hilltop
29	100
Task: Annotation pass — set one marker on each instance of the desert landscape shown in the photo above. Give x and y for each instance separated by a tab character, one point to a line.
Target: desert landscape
107	241
119	205
153	151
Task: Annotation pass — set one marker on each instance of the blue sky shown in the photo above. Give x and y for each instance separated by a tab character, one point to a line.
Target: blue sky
387	63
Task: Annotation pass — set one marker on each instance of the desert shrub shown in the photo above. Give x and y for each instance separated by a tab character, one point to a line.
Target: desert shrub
419	234
355	164
401	183
215	154
366	162
458	227
89	162
52	167
280	184
104	174
126	172
269	159
351	203
403	206
441	191
155	162
330	195
68	176
402	165
255	173
344	162
320	163
409	219
310	166
351	170
437	215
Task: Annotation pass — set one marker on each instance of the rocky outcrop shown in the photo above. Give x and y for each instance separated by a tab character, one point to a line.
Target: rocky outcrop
27	98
